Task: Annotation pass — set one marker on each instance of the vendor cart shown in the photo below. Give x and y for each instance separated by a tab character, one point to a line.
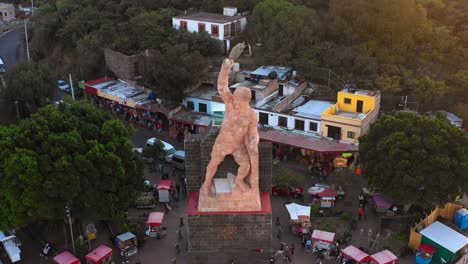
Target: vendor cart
100	255
164	190
323	241
66	258
127	243
381	204
154	223
383	257
425	253
299	218
327	198
355	254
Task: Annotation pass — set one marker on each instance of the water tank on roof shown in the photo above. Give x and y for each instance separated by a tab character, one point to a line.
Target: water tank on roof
229	11
272	75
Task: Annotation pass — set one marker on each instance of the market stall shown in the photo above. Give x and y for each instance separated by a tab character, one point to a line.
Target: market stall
154	223
100	255
322	241
355	254
448	242
327	198
299	218
380	204
127	243
425	253
66	258
383	257
164	188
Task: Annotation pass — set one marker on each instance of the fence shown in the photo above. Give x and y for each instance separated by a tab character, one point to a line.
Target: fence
448	212
5	26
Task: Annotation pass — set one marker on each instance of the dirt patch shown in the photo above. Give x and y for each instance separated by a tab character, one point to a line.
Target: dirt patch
337	225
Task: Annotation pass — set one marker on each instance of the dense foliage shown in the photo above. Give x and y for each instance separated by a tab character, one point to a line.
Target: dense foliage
416	159
32	85
66	154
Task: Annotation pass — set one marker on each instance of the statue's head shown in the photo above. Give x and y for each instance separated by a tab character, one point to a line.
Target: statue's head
242	97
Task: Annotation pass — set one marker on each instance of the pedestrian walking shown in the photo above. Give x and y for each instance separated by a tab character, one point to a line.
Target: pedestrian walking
181	224
161	168
308	243
277	221
177	188
278	235
167	207
282	246
292	249
173	172
272	260
177	249
360	212
123	254
179	234
303	242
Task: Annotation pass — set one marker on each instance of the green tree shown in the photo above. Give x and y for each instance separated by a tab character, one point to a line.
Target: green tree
153	153
288	179
415	159
31	84
66	154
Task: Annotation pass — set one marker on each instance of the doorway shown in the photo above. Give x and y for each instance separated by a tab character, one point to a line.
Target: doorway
359	106
334	132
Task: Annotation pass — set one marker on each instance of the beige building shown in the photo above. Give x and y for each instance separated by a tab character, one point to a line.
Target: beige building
351	116
7	12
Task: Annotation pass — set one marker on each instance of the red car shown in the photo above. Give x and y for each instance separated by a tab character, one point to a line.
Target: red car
283	191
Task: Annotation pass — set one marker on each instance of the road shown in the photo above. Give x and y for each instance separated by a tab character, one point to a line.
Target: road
12	47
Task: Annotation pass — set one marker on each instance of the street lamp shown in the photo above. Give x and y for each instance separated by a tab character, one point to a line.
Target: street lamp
17	111
68	211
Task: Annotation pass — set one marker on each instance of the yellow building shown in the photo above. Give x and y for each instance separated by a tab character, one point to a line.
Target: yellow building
351	116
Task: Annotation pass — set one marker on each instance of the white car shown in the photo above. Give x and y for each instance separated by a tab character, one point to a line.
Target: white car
317	188
63	86
170	150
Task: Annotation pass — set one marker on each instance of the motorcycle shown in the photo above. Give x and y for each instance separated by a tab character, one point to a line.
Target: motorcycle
46	251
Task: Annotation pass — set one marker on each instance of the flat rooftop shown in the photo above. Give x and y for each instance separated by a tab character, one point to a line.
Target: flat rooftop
209	17
123	90
204	92
358	116
265	70
312	109
362	92
193	118
250	85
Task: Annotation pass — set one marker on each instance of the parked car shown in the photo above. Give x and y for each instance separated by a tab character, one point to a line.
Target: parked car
294	192
370	191
63	85
317	188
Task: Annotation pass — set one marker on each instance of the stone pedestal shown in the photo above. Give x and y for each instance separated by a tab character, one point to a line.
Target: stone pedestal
223	237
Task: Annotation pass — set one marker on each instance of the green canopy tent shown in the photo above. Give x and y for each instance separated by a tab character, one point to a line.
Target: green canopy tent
447	241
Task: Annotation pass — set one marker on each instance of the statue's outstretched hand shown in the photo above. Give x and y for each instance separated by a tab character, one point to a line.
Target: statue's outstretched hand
227	64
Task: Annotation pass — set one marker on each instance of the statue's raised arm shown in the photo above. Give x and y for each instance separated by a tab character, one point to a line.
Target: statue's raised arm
223	81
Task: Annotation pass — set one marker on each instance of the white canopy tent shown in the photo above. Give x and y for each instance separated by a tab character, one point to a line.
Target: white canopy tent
295	210
445	236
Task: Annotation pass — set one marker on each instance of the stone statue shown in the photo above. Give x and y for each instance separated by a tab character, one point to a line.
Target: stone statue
238	136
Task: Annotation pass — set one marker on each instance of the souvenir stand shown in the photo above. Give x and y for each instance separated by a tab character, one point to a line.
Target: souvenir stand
66	258
164	187
380	204
322	241
127	243
355	254
327	198
100	255
154	223
299	218
425	253
383	257
448	242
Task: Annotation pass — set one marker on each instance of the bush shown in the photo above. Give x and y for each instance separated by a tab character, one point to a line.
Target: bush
314	208
346	215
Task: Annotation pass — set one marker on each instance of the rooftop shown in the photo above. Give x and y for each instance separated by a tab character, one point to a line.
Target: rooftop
362	92
265	70
204	92
359	116
209	17
251	85
312	109
193	118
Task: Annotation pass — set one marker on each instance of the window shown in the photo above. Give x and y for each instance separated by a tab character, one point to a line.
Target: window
202	108
313	126
218	118
263	118
183	25
227	31
299	125
201	27
351	134
214	30
347	100
190	105
282	121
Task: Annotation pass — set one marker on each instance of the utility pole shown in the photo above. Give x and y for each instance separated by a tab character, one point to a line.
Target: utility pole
32	7
68	210
27	42
71	86
17	112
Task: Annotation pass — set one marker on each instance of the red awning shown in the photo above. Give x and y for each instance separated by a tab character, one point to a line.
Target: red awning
427	248
99	254
89	84
66	258
324	236
164	185
155	219
328	193
314	143
355	253
384	257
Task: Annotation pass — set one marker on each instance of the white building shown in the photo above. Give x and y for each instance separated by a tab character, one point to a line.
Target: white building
223	27
7	12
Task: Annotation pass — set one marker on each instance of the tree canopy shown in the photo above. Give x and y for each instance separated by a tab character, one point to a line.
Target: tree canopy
415	159
69	153
31	84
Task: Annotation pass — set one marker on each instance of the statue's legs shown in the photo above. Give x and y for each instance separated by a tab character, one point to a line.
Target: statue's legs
241	156
217	156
